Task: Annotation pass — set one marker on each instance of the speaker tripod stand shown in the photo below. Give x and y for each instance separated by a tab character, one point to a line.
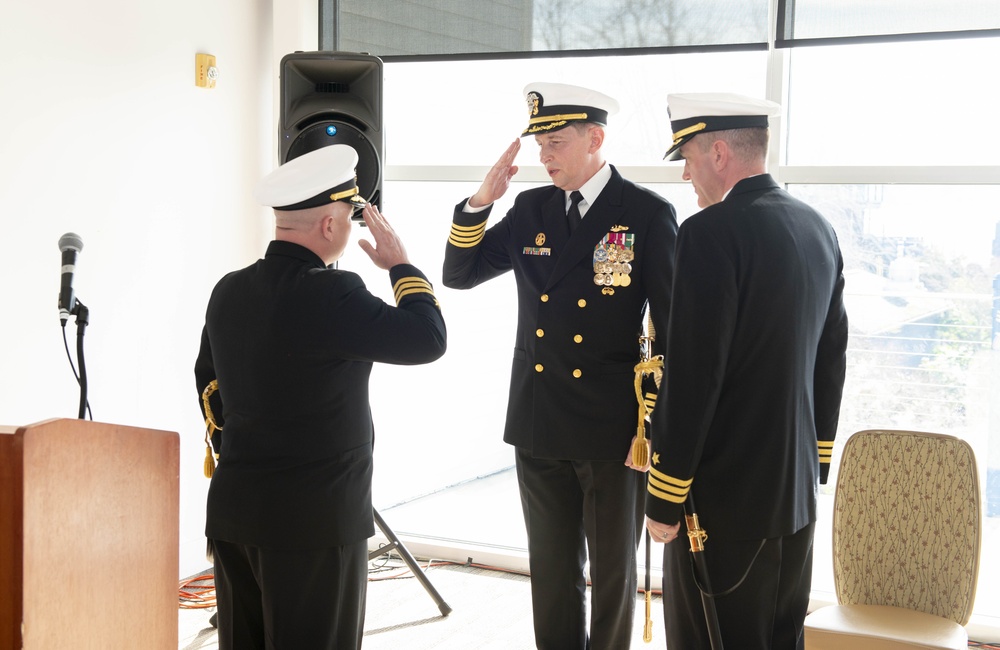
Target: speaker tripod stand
397	545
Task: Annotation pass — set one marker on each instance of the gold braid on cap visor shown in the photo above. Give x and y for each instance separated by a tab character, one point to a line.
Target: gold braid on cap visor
553	118
694	128
336	196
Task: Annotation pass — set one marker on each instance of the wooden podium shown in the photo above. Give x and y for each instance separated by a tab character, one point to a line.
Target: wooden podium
88	536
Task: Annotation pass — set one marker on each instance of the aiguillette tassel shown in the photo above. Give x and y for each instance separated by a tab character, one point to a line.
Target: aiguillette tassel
209	462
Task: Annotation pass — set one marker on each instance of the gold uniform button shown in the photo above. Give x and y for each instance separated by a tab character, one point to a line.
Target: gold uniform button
582	303
539	332
539	367
545	297
578	339
577	373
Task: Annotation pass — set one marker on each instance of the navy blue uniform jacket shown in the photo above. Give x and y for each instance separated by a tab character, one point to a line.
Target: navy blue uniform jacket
572	394
755	366
291	343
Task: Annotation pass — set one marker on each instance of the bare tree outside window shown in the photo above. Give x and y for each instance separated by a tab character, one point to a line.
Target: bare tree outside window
603	24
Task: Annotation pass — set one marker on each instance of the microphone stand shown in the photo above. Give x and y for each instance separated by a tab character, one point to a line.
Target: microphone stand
82	320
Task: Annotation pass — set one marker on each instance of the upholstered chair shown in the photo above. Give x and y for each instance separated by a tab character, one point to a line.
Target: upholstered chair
906	542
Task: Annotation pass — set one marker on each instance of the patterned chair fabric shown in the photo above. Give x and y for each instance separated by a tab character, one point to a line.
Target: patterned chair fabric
907	523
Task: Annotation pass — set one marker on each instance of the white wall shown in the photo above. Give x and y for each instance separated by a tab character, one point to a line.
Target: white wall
104	133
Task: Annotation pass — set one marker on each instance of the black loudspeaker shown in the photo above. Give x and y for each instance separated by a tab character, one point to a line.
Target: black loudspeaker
334	98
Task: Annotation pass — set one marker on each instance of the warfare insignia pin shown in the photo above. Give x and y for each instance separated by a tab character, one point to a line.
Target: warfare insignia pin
540	239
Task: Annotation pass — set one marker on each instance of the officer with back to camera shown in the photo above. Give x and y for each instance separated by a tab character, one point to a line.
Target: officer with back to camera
754	375
291	342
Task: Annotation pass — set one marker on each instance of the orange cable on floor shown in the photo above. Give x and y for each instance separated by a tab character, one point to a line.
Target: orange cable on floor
197	596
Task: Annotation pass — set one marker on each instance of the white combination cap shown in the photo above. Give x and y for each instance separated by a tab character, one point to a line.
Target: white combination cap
552	106
694	113
316	178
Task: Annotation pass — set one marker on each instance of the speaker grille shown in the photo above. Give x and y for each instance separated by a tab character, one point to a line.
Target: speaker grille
332	87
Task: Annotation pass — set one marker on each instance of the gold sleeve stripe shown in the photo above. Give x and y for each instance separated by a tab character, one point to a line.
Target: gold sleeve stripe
825	450
467	236
403	294
464	243
666	496
455	228
678	490
411	285
667	487
463	236
650	399
666	478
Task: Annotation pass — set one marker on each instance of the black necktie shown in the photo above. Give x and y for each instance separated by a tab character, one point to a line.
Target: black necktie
573	214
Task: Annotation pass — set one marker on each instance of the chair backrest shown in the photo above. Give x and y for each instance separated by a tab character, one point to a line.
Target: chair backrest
907	523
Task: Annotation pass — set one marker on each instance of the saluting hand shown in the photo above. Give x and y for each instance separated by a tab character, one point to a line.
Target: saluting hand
388	250
498	179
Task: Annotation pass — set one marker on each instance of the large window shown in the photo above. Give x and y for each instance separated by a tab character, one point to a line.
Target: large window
498	27
439	144
923	299
809	21
923	103
465	113
894	143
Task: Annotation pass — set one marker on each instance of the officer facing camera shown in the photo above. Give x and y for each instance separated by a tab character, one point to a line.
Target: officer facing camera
590	254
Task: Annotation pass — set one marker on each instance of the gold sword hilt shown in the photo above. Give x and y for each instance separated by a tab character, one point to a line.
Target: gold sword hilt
696	534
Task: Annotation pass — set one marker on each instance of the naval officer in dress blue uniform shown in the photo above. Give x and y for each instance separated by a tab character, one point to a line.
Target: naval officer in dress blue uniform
291	342
755	367
590	254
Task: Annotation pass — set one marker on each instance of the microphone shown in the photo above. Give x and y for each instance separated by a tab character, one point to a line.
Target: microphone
70	244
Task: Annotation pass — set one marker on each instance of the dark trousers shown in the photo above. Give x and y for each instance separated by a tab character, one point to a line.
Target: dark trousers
765	612
276	600
572	510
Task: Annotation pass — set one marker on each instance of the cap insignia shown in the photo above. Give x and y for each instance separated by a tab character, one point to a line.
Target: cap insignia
534	100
